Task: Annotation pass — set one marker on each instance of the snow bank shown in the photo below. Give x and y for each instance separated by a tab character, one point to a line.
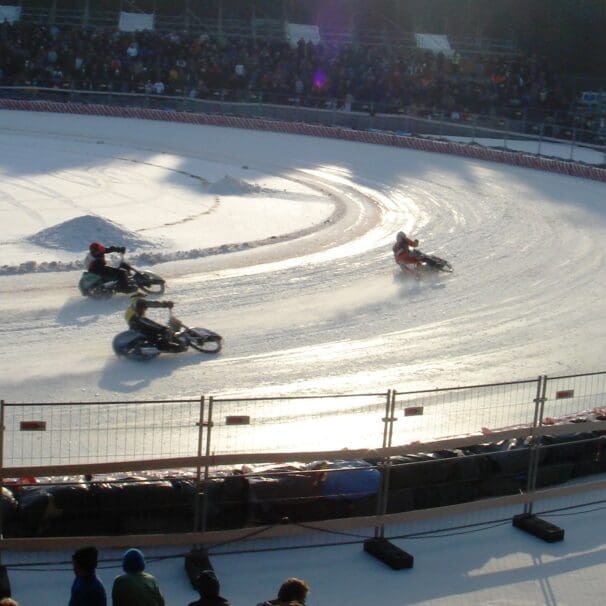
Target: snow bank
76	234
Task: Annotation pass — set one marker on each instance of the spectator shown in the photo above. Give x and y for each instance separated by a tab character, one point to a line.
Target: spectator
293	592
135	587
87	589
208	587
8	602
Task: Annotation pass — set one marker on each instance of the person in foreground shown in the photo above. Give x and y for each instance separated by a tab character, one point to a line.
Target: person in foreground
87	589
293	592
135	587
208	587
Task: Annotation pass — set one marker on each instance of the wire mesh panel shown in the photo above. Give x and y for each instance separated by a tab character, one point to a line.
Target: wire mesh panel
297	424
576	395
38	434
446	413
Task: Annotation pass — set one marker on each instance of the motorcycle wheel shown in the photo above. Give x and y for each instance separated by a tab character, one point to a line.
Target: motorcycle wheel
99	293
135	350
211	344
436	263
150	283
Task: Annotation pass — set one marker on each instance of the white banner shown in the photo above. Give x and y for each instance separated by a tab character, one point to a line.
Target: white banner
135	22
435	43
10	13
296	31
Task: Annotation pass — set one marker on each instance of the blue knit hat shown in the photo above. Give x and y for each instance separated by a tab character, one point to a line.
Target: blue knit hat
133	561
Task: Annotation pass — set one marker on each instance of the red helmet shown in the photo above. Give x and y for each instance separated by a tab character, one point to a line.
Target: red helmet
96	249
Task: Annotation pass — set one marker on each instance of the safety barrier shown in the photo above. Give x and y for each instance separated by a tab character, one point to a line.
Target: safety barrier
472	151
217	465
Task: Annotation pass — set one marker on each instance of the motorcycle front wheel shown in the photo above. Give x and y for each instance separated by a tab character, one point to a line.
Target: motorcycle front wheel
150	283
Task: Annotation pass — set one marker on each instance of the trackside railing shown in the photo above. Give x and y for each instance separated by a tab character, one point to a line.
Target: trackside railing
513	134
208	466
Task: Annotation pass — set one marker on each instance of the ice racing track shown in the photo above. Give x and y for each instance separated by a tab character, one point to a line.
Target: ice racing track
327	311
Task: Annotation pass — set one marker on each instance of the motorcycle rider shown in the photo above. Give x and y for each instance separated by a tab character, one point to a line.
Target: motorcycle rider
136	320
404	250
97	264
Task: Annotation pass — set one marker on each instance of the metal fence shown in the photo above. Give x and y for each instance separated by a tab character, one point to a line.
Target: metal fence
216	465
70	433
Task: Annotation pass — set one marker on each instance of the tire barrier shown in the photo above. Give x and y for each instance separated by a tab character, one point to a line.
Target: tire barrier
295	492
418	143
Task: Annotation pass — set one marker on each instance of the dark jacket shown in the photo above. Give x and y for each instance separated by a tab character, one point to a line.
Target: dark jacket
97	263
215	601
88	591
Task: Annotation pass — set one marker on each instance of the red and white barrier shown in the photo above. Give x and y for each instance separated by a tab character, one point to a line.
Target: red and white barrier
313	130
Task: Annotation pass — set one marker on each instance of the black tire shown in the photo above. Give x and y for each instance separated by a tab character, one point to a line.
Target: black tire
150	283
132	351
99	293
436	263
207	344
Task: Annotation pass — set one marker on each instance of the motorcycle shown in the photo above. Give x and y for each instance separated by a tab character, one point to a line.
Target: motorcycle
94	286
426	263
135	345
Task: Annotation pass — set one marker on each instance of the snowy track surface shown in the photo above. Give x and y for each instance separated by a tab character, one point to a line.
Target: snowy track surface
293	266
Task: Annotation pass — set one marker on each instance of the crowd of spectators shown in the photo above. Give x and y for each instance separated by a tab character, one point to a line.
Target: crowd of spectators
374	79
378	78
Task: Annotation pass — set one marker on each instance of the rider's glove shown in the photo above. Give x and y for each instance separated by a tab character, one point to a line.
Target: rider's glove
415	243
121	249
169	304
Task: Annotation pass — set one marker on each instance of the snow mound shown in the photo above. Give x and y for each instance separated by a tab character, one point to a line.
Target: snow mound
76	234
232	186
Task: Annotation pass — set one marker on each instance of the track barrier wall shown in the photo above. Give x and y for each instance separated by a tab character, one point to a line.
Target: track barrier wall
200	469
355	128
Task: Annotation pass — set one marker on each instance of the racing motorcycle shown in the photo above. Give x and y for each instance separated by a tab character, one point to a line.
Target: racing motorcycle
135	345
427	263
94	286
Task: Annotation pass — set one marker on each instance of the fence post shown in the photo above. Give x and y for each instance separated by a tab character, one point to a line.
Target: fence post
541	135
206	463
533	461
385	465
198	481
573	142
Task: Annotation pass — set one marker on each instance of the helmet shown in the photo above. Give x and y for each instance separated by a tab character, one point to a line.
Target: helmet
96	249
401	236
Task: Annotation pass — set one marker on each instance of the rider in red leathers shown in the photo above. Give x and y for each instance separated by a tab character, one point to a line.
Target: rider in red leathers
403	250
